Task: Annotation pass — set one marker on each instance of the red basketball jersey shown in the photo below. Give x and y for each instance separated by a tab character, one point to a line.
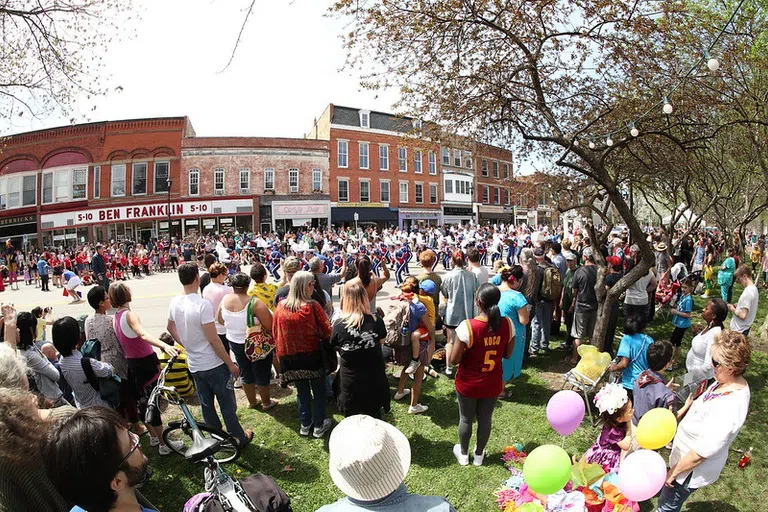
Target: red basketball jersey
479	373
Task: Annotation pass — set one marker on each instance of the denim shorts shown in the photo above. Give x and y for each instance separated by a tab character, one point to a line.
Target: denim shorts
252	372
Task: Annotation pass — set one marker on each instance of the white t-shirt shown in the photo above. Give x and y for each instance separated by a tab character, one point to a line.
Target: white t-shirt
189	313
636	294
699	358
748	299
482	274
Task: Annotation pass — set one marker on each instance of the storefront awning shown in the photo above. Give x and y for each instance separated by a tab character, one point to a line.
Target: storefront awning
341	214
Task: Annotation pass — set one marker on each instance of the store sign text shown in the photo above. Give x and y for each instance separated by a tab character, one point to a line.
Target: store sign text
137	212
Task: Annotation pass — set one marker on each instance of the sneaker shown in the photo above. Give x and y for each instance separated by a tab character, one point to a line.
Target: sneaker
449	371
412	367
165	450
417	409
304	431
477	460
325	427
154	441
399	395
462	459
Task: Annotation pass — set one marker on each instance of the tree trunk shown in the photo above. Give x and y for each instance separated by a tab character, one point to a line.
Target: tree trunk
601	326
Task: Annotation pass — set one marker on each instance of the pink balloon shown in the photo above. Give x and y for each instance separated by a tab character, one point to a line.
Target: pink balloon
565	411
642	475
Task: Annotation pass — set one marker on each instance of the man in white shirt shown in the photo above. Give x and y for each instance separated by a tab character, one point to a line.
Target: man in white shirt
481	271
745	311
191	323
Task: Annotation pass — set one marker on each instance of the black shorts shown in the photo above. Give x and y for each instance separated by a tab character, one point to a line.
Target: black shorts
677	336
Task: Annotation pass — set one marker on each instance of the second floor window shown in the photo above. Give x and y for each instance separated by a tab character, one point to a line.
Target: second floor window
485	168
365	191
419	189
446	156
194	182
363	154
433	193
343	147
218	182
403	191
506	170
317	180
402	158
96	181
139	179
384	195
457	157
449	186
161	176
245	181
384	157
417	161
293	181
495	169
269	179
118	180
432	163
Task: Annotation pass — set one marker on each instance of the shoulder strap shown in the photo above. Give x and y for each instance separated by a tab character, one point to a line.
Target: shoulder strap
85	363
249	313
641	351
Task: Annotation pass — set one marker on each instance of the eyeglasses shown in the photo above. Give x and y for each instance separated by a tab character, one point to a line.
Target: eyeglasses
715	363
134	445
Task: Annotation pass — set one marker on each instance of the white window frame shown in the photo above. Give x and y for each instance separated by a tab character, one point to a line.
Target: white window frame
96	182
133	177
496	195
402	159
468	159
416	192
4	194
343	163
495	168
219	171
457	158
293	172
506	170
365	118
196	174
317	180
433	186
154	176
366	156
338	193
445	156
384	151
507	197
400	192
381	191
367	183
247	189
448	186
432	159
417	157
484	169
486	195
112	180
18	178
269	172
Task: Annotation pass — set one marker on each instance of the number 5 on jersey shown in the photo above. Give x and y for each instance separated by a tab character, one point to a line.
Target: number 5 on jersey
489	364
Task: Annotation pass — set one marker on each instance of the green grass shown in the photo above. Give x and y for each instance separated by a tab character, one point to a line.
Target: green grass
300	465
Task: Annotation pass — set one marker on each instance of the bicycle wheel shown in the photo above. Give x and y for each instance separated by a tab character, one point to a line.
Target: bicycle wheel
229	448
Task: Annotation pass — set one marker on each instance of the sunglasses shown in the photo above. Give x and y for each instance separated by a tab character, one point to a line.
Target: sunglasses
134	445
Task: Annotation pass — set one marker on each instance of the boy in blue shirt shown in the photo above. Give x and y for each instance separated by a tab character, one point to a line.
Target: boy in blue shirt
681	319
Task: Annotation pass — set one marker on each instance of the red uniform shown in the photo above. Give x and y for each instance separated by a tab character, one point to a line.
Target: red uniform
479	373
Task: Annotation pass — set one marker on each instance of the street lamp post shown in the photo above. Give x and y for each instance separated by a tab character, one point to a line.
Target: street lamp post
169	183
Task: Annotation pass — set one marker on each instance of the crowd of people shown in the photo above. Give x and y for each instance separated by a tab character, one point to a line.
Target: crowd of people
504	292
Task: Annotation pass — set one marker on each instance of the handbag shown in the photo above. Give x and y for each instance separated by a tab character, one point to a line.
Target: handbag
107	387
258	344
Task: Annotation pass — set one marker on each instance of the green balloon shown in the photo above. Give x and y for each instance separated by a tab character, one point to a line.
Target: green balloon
547	469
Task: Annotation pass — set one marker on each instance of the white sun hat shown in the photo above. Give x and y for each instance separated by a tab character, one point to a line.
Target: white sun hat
369	458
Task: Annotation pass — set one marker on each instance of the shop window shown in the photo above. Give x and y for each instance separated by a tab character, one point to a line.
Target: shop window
343	191
96	181
342	154
245	181
417	161
194	182
218	182
363	153
317	180
419	190
293	181
433	193
139	178
402	159
162	170
269	179
365	191
432	158
118	180
384	195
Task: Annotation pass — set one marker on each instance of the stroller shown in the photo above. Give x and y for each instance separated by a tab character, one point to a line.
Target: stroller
666	295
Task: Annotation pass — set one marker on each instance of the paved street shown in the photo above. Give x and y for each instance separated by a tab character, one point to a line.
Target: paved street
151	296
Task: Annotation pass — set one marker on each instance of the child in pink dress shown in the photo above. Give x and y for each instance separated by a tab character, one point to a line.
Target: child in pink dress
616	412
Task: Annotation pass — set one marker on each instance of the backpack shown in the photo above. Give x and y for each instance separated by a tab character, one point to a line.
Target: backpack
396	320
107	387
551	286
91	348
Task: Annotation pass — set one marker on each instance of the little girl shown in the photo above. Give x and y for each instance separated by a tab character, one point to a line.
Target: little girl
616	437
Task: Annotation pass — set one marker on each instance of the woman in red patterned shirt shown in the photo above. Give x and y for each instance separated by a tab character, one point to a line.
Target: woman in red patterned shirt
299	325
482	342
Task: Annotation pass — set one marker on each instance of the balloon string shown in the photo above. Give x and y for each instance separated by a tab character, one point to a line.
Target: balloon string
562	442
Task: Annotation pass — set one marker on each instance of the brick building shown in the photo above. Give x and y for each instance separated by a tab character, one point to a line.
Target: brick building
380	168
494	190
277	183
533	202
94	181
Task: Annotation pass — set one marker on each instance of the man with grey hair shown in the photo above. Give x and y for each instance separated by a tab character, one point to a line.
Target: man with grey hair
317	267
584	308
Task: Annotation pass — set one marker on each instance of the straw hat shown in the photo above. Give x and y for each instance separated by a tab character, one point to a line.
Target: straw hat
369	458
661	247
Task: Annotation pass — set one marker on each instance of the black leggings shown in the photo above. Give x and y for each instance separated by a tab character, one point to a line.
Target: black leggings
469	410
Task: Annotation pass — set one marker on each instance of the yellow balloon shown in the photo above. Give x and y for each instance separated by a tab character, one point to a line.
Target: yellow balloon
587	351
604	359
656	428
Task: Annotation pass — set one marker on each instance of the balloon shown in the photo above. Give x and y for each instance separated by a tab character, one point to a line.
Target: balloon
565	411
547	469
603	360
642	474
587	351
656	428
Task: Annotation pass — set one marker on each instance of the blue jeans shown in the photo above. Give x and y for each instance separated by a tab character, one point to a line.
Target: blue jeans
672	499
311	414
213	383
541	325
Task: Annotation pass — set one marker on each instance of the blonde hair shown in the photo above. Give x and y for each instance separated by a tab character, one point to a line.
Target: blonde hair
354	305
735	350
297	293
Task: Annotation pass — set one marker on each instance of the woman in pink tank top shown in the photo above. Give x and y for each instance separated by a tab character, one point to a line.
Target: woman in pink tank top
143	364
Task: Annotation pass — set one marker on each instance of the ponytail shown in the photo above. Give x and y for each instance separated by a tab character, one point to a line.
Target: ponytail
488	297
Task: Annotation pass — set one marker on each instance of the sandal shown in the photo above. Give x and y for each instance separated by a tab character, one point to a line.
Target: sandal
248	439
270	405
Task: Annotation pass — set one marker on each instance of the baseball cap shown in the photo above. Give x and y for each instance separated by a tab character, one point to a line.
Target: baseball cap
291	265
569	255
538	252
428	286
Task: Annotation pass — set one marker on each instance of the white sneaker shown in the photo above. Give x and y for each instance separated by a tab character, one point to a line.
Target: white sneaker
322	429
448	371
154	441
417	409
399	396
462	459
412	367
176	445
304	431
477	460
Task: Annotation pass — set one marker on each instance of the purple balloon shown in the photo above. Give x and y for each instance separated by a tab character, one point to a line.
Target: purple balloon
642	475
565	411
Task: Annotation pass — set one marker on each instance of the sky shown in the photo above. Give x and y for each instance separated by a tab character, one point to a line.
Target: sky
287	69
